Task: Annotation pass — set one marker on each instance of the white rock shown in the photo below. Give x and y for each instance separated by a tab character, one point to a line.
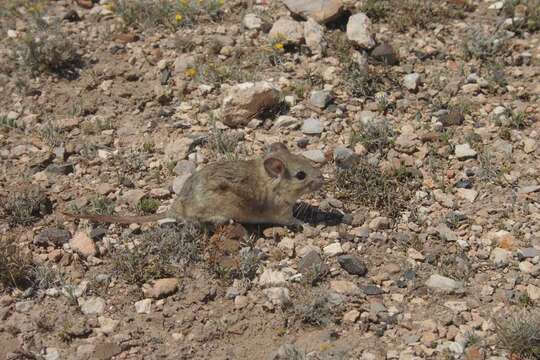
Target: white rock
412	81
322	11
92	305
246	100
457	306
533	292
333	249
529	145
467	194
278	295
252	22
439	282
312	126
500	256
107	325
272	278
288	31
464	152
359	31
315	156
179	148
52	354
144	306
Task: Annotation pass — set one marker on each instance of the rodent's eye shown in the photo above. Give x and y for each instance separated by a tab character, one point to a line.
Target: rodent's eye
300	175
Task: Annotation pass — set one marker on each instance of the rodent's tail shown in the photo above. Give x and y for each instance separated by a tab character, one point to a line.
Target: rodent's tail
118	219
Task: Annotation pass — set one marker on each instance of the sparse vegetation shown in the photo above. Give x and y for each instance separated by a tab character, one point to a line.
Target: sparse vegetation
26	206
479	45
168	13
519	334
223	144
403	15
16	267
366	185
161	252
148	205
314	307
375	136
45	48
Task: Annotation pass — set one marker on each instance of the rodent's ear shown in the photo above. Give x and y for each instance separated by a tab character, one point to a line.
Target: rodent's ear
274	167
278	146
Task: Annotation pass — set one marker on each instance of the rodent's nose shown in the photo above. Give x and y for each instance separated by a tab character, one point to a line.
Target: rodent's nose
319	181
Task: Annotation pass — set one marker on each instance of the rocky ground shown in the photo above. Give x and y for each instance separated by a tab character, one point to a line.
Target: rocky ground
423	115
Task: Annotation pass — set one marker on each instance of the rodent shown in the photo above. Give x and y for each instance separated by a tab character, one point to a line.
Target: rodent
257	191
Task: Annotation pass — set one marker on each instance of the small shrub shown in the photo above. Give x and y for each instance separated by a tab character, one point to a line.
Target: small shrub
224	144
161	252
375	136
479	45
51	134
519	334
489	170
45	48
314	308
98	205
148	205
16	267
250	261
26	206
45	277
367	186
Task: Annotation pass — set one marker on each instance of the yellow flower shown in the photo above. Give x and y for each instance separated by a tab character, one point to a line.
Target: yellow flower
109	6
184	2
191	72
178	17
221	2
278	46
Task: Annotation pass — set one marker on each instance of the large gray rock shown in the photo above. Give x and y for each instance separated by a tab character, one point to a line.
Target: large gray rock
287	31
244	101
322	11
359	31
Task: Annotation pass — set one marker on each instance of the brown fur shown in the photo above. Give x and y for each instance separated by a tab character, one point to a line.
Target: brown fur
255	191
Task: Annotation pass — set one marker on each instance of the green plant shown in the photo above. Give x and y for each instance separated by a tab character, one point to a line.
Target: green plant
160	252
45	277
16	267
51	134
374	136
26	206
479	45
519	334
169	13
148	205
314	307
224	144
366	185
45	48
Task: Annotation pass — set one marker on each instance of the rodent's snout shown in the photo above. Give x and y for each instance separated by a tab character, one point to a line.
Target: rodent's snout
318	182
